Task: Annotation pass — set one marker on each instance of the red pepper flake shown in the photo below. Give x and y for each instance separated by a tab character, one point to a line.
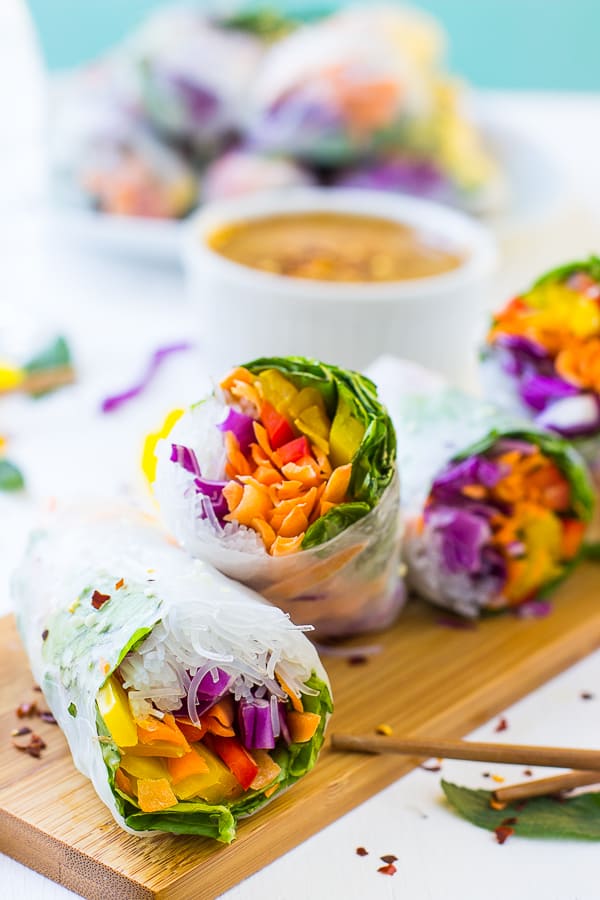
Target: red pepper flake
357	660
360	851
503	832
527	773
46	716
34	747
27	710
45	634
389	858
585	695
486	774
430	768
99	599
119	584
512	820
19	732
388	870
501	726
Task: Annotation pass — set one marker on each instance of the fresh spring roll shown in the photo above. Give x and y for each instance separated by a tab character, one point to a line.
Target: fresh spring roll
284	478
185	699
495	509
542	355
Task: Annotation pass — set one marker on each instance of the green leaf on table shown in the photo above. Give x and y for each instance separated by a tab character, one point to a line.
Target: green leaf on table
11	478
53	356
572	817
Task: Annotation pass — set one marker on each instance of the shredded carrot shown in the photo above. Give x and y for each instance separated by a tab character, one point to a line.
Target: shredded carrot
295	523
233	492
306	474
270	791
255	504
238	374
266	532
296	701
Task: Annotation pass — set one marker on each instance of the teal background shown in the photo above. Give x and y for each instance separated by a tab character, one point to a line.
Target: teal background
529	44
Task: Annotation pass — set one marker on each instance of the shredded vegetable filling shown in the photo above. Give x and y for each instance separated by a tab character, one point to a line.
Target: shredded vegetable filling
217	744
504	518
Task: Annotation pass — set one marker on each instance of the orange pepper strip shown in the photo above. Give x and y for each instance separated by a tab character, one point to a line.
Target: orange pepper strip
337	486
242	391
263	441
155	794
123	782
283	546
151	729
185	766
235	455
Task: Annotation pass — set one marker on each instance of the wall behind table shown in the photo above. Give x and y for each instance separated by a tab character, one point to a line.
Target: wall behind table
528	44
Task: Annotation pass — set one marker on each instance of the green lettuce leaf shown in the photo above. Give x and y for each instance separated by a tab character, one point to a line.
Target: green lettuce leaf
540	817
374	462
590	266
11	478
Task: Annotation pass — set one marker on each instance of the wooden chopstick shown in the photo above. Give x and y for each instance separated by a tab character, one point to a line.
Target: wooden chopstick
561	757
44	380
541	787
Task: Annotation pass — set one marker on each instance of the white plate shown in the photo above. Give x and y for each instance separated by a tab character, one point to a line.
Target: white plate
535	185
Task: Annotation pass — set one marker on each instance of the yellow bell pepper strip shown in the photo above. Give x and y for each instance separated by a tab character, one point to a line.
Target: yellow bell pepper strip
277	390
214	786
113	705
302	726
345	436
144	767
304	399
149	461
314	423
155	794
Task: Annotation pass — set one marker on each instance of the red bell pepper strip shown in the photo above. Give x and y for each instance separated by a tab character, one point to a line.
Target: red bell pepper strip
236	758
293	450
279	430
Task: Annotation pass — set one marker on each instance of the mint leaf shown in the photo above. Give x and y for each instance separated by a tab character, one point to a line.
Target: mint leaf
11	478
540	817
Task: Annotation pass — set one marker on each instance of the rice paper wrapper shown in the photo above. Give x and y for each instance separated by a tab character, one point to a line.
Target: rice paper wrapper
435	424
348	585
166	596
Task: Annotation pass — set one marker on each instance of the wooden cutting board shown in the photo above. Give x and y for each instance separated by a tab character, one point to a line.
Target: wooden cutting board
428	680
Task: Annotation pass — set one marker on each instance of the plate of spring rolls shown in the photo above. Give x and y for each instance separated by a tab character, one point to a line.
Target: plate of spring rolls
361	97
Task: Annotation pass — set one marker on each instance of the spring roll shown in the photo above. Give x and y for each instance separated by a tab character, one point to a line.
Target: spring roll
187	700
494	509
541	351
285	479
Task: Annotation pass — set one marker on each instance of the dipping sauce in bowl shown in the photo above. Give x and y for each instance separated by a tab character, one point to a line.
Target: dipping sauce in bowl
334	246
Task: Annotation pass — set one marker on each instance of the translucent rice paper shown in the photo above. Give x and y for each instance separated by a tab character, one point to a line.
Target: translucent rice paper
194	74
240	172
72	648
434	423
348	585
337	89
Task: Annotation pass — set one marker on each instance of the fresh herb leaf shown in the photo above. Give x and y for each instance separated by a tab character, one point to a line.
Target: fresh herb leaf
11	478
574	817
53	356
72	710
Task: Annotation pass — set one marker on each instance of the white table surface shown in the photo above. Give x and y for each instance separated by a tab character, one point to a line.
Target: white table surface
115	312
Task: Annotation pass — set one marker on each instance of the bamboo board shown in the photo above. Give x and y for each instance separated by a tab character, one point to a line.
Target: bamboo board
427	680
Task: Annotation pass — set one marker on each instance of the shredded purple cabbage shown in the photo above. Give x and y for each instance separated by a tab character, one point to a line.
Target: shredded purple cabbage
186	457
211	491
538	391
463	535
472	470
241	425
256	724
110	404
208	692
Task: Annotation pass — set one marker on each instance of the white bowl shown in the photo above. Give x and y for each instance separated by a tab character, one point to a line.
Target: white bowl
245	313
